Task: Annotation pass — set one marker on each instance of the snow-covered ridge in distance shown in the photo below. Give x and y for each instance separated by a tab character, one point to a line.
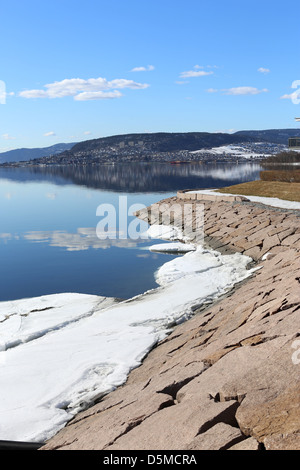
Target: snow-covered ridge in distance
245	150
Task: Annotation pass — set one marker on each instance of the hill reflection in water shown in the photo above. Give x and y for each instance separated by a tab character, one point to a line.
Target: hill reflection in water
140	177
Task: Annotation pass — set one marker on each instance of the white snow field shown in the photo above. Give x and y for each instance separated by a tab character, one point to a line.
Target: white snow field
244	150
269	201
59	353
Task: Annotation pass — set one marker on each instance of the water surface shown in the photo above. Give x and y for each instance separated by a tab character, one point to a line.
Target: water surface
48	241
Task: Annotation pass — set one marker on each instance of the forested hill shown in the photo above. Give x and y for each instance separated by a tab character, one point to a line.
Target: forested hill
144	146
168	142
275	136
25	154
162	141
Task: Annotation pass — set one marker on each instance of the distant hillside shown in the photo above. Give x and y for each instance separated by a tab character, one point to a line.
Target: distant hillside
24	154
170	142
275	136
160	146
161	141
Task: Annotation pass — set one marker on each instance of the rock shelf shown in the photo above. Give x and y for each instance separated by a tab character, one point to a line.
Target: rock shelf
228	378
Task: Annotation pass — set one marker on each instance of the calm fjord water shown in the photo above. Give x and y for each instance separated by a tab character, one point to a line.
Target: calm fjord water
48	241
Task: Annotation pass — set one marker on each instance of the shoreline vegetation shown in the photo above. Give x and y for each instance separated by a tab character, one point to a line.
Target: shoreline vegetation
228	378
279	179
278	189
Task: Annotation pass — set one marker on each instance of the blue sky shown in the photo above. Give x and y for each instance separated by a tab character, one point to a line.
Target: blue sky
75	70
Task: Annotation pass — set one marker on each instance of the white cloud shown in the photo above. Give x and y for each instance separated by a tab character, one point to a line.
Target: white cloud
87	133
238	91
81	90
244	90
194	73
33	94
263	70
7	137
149	68
207	66
225	131
123	83
49	134
97	95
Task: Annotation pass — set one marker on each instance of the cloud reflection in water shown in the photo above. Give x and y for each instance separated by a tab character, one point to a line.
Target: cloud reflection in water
83	239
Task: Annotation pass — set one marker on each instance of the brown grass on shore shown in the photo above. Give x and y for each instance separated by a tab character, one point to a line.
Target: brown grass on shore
281	190
286	176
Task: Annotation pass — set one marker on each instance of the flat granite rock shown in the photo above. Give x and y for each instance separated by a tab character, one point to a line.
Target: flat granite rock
220	437
228	378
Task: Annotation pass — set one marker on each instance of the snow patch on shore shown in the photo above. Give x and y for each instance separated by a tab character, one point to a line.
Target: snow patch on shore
59	353
269	201
209	267
175	247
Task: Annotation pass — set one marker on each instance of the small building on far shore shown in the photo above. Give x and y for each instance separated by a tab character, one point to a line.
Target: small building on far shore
294	143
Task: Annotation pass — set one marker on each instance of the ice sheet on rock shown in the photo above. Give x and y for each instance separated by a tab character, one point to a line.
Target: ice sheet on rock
175	247
89	350
28	319
204	264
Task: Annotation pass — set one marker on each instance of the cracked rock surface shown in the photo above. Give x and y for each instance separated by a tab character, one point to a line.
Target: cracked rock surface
229	378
